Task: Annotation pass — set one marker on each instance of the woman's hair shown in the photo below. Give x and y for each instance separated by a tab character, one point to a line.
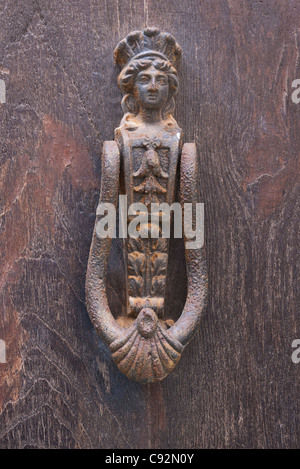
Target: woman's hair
126	81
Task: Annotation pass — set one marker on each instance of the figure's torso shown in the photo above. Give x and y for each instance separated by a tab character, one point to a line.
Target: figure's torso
149	159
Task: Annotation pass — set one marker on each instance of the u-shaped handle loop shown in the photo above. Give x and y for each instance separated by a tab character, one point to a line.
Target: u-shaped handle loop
145	352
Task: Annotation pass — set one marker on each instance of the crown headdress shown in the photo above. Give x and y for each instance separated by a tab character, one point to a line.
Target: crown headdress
150	44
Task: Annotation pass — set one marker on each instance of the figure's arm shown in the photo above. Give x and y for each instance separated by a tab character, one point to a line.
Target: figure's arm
186	326
96	298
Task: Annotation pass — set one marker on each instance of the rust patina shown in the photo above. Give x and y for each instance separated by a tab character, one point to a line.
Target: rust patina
146	156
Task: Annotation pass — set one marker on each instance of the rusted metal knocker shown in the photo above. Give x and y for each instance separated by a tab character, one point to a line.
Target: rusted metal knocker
145	156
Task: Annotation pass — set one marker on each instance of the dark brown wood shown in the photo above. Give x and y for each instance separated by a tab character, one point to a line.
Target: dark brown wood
235	385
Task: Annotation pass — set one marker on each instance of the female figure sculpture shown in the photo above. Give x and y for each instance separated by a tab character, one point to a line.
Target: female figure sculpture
143	162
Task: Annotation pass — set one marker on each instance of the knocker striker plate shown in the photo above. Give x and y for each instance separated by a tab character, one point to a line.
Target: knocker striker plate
146	155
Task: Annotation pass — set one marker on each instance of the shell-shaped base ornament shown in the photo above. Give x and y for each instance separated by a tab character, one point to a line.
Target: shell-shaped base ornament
146	353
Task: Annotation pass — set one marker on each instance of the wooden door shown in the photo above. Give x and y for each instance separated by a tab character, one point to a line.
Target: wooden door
236	385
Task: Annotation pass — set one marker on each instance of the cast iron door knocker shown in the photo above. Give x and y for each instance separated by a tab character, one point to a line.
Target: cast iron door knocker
142	163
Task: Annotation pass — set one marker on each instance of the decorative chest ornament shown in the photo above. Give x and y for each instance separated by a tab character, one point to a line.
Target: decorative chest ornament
143	163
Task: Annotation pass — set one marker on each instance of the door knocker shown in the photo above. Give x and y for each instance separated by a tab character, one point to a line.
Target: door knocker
142	163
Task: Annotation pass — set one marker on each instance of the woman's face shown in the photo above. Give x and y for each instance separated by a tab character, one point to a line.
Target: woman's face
151	88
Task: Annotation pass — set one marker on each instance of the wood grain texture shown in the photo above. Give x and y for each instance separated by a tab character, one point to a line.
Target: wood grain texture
235	386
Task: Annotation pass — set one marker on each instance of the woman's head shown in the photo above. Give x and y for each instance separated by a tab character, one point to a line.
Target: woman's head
148	84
